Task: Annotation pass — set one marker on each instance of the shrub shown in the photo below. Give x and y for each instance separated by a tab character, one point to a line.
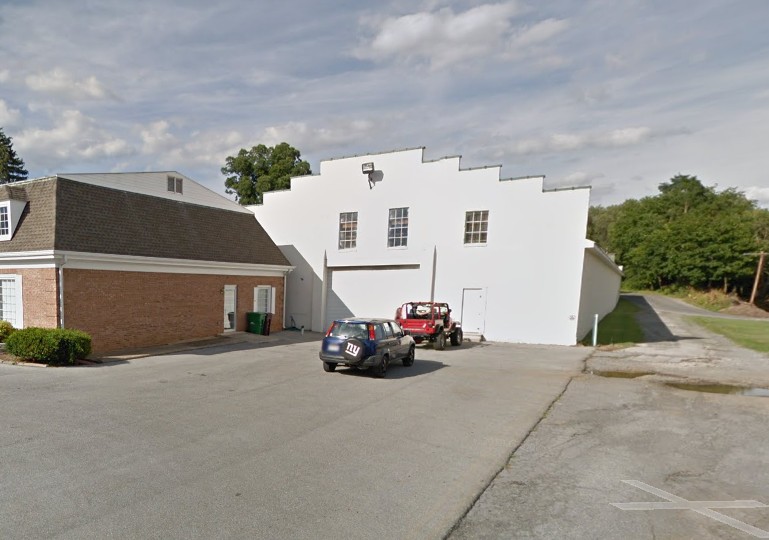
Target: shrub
6	329
49	345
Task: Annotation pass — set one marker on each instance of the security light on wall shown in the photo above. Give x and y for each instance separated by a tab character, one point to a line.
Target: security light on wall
368	169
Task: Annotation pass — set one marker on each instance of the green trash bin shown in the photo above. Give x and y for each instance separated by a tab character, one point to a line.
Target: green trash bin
255	321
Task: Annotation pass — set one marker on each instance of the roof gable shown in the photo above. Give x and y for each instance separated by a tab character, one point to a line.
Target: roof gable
68	215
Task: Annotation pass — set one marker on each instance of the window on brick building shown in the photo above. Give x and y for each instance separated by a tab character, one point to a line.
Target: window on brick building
10	300
264	299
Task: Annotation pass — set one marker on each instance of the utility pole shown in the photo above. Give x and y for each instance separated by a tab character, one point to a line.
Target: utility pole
759	271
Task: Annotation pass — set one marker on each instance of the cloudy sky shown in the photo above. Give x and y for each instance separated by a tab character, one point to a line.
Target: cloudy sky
617	94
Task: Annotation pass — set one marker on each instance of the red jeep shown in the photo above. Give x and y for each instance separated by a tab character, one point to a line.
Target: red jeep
429	321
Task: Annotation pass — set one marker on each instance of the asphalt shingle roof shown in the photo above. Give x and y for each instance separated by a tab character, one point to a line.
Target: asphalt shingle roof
67	215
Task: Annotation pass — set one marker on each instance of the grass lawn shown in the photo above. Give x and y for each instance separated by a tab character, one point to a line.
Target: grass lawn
750	334
619	326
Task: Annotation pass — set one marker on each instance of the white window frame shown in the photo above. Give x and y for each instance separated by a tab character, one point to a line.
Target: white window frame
264	293
398	227
17	320
5	220
476	228
348	230
225	290
11	210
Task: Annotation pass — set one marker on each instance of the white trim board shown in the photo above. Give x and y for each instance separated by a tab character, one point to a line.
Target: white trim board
128	263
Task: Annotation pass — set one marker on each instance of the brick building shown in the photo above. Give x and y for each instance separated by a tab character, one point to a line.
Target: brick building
134	259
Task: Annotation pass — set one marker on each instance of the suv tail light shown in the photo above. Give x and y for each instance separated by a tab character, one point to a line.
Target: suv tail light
328	332
371	332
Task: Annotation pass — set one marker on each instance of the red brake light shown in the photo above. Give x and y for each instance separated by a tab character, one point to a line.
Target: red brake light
328	332
371	332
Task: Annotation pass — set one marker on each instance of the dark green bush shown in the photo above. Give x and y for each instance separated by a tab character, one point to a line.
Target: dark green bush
6	329
49	345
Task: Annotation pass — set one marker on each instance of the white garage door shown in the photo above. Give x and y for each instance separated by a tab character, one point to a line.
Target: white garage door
373	293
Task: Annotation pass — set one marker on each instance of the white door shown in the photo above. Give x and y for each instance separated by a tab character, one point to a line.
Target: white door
229	307
473	311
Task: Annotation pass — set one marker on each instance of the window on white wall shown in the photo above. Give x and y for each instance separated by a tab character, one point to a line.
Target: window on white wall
10	300
398	227
476	226
264	299
348	230
175	184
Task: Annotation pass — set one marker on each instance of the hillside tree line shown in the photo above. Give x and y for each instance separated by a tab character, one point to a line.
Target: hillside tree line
688	235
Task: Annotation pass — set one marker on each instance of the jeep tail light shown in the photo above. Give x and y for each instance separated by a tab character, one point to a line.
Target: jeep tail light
371	332
328	332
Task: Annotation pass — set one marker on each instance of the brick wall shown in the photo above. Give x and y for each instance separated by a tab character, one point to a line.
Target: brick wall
40	296
124	310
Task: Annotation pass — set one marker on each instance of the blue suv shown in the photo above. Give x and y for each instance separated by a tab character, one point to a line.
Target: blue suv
366	343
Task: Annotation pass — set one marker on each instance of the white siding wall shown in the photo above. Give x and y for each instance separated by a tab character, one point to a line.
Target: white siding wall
531	267
600	289
155	184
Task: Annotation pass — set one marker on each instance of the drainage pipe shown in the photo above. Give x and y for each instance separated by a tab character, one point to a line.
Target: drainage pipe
61	291
595	330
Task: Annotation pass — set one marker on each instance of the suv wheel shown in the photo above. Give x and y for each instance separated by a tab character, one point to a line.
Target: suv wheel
408	360
440	340
457	337
328	367
380	370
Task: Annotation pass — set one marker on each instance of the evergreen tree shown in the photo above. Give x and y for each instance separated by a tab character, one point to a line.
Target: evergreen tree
11	166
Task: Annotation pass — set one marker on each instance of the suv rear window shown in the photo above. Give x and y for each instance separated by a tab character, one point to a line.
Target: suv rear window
378	332
349	330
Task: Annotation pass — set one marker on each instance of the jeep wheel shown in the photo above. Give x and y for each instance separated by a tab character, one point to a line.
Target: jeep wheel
380	370
328	367
457	337
440	340
408	360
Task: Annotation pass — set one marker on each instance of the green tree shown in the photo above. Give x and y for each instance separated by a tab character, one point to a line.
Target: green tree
11	166
689	235
262	168
600	220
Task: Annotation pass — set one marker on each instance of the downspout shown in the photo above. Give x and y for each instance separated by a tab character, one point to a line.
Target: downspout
285	279
323	294
432	280
61	291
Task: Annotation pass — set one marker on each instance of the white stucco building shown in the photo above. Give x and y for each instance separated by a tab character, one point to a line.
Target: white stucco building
510	257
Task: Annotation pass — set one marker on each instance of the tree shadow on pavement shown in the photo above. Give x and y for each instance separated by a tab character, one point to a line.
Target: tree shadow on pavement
654	328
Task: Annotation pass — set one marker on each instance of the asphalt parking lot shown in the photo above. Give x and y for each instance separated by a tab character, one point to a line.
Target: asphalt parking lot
252	439
247	437
663	440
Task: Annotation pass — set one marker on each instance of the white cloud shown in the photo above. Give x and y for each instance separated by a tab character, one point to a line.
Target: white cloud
8	116
168	150
758	194
539	33
303	136
441	38
579	178
60	82
74	136
156	138
4	74
562	142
